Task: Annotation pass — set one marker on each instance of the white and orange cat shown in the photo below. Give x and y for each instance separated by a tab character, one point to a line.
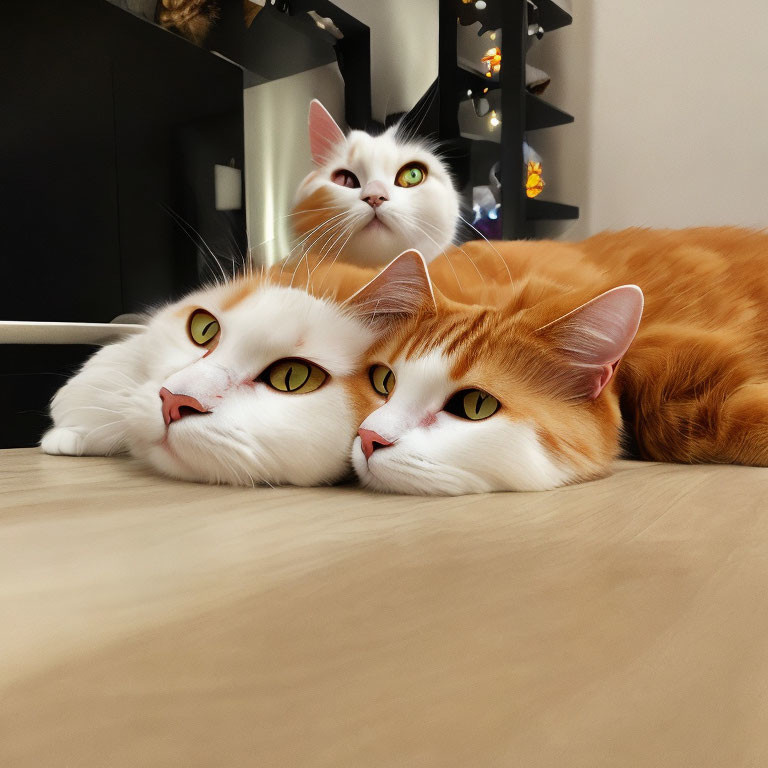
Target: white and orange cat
519	368
372	197
243	383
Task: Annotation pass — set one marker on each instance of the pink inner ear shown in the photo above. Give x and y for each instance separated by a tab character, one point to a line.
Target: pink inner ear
324	133
596	335
606	374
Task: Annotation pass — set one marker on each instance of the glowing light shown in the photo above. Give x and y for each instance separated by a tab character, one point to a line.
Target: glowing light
494	121
469	93
493	214
480	5
493	35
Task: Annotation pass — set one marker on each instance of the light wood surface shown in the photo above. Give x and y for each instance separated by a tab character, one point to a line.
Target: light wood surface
147	622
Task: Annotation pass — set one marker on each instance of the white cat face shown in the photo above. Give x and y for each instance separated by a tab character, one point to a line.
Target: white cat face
243	383
385	192
430	447
258	396
474	399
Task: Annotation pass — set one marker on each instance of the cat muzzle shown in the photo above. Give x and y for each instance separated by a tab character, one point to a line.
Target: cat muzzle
371	441
176	407
374	193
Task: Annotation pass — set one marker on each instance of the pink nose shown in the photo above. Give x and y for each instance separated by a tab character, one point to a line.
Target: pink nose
371	441
176	407
374	193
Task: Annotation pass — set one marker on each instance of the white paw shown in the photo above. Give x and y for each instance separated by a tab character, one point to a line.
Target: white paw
61	441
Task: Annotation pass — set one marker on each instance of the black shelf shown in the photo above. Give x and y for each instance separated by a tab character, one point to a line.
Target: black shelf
521	111
546	12
468	80
547	210
541	114
551	16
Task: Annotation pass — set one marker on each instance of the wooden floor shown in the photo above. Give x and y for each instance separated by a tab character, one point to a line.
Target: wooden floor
147	622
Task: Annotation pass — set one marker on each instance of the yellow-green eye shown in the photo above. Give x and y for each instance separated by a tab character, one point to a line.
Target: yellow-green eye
203	327
382	379
473	404
297	377
411	175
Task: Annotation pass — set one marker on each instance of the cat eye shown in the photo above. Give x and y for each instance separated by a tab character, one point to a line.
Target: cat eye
296	377
203	327
345	178
382	379
473	404
411	175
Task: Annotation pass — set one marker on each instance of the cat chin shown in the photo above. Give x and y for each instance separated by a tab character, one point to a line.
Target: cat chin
517	463
243	445
394	471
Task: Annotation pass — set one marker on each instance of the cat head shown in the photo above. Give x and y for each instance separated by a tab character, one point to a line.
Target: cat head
252	382
473	399
372	197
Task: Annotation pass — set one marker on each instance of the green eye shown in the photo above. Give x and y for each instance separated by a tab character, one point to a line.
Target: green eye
203	327
382	379
472	404
297	377
411	175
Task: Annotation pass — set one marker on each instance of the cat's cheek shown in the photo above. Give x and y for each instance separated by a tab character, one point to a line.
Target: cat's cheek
145	426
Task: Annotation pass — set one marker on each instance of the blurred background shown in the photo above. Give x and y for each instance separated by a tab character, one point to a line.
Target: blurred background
151	144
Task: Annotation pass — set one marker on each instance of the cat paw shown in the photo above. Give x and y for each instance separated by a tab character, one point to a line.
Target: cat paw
61	441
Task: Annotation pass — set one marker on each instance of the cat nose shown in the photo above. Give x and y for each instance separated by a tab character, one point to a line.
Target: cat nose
374	193
176	407
371	441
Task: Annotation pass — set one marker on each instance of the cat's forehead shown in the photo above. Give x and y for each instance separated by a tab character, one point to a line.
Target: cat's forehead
268	321
385	150
453	334
469	343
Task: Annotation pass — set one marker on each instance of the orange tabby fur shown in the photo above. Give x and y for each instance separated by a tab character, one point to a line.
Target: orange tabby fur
693	386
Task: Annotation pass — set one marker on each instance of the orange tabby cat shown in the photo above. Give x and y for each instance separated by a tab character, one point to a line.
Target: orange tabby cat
509	379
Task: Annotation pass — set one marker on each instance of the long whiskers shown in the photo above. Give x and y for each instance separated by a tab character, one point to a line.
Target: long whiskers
493	248
185	227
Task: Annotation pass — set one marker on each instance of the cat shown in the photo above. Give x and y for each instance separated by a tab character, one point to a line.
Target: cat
517	371
372	197
243	383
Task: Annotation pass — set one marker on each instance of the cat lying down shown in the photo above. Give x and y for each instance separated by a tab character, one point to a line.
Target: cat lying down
244	383
510	366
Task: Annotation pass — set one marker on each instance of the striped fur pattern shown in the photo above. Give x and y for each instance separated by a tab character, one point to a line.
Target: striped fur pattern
692	387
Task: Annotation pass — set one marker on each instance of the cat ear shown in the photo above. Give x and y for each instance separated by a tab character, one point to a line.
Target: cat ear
596	335
324	133
401	290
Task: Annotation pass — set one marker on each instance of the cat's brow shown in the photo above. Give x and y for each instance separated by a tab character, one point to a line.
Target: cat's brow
243	291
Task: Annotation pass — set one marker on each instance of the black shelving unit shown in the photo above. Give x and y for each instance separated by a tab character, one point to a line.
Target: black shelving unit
260	49
521	111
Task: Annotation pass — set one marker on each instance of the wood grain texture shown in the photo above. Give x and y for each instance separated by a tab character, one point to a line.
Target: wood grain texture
157	623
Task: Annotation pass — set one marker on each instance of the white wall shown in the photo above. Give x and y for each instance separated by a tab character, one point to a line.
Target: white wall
277	152
403	49
671	110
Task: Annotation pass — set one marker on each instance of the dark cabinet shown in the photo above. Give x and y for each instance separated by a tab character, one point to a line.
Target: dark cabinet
110	129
